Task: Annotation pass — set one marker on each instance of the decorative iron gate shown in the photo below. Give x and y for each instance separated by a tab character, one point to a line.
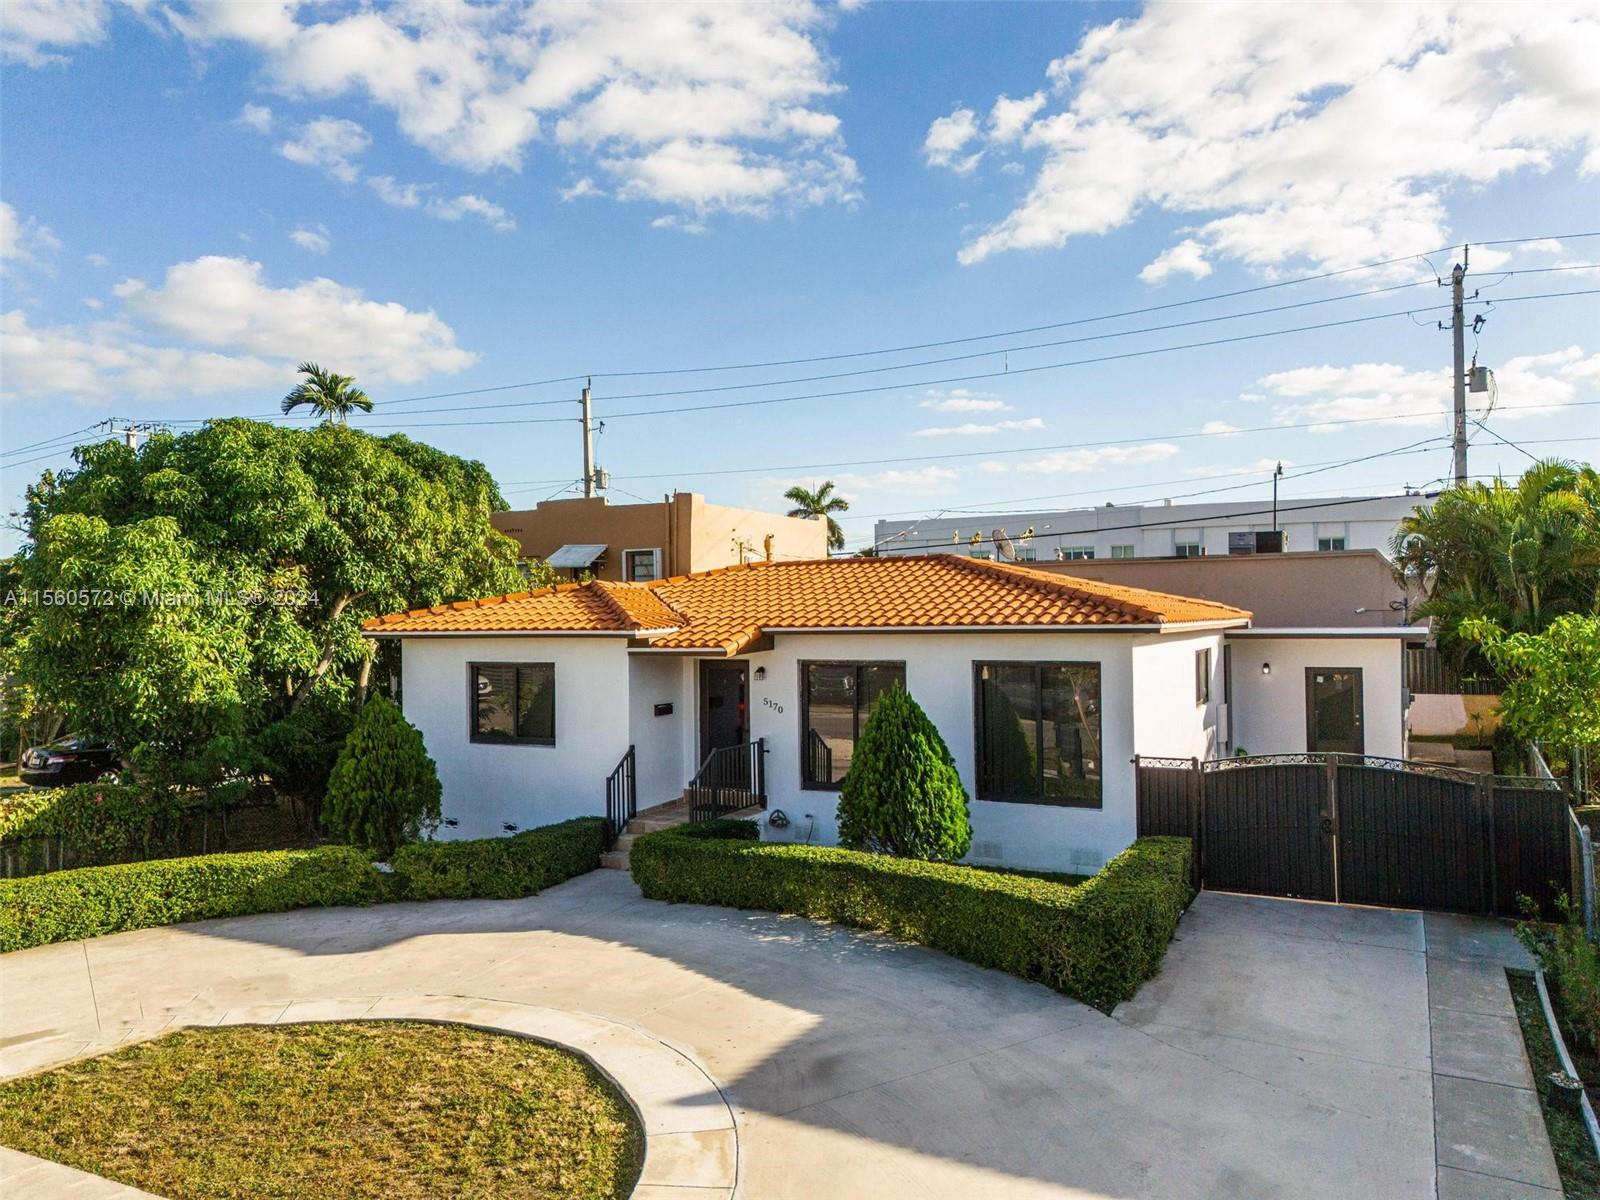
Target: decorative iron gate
1364	830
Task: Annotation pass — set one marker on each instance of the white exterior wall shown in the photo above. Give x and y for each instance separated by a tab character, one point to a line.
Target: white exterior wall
1167	722
663	746
487	786
1270	710
939	674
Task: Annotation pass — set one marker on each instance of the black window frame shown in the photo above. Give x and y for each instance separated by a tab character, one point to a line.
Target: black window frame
1202	676
859	664
980	776
516	668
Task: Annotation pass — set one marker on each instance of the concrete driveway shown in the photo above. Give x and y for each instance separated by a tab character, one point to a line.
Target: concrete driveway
1283	1052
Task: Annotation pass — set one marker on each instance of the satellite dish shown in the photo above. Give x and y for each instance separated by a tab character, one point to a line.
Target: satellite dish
1003	549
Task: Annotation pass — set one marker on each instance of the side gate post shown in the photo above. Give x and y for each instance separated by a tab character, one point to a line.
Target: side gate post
1197	824
1331	819
1488	866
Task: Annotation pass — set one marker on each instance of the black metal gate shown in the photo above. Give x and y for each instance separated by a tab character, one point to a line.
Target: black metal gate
1363	830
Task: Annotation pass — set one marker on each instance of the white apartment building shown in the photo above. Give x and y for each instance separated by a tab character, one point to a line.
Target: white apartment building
1154	531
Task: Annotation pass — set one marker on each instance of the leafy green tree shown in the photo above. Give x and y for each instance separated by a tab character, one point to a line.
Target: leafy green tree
820	504
1516	555
332	397
902	794
285	539
1552	679
384	789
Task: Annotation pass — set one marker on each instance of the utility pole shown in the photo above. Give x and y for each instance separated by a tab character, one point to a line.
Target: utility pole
1459	380
588	446
1277	474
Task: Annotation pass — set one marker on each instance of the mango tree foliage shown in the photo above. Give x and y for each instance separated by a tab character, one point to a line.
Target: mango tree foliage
289	538
1552	689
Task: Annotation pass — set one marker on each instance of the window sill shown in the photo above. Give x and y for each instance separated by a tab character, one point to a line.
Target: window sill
488	741
1045	801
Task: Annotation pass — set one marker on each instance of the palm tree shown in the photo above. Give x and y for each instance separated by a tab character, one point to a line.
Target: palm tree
819	505
330	396
1519	555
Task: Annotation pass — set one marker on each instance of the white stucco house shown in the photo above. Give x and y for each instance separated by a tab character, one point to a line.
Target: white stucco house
1044	687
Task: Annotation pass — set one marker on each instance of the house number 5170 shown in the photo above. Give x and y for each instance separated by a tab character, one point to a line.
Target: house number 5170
769	702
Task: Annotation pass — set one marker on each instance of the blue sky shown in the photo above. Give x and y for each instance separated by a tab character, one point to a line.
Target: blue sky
446	197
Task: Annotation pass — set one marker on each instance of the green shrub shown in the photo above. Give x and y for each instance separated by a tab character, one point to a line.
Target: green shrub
384	789
1096	942
95	900
101	823
498	868
1571	963
903	794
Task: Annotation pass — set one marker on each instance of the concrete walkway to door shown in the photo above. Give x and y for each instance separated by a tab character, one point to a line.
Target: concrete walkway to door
1284	1052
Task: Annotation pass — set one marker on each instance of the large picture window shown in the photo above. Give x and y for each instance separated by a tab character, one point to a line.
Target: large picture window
1038	730
514	703
836	698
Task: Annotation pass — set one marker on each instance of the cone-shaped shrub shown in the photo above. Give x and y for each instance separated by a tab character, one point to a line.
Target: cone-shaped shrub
902	794
384	789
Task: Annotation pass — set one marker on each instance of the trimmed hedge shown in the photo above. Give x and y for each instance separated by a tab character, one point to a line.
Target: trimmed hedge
501	868
91	901
1097	941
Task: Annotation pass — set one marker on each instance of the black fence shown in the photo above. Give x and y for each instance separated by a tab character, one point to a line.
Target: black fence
1429	673
1365	830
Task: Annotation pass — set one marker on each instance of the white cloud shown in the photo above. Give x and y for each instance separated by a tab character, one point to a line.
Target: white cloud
912	479
255	117
1390	394
97	260
1329	134
1187	257
581	190
680	224
23	239
948	137
702	105
215	325
32	32
328	143
961	400
443	208
1008	118
314	238
1219	427
973	429
1075	462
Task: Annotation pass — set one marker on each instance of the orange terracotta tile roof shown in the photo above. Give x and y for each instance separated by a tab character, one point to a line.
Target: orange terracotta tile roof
727	609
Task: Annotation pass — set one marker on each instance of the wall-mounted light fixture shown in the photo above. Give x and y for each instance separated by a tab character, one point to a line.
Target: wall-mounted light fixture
761	673
1266	668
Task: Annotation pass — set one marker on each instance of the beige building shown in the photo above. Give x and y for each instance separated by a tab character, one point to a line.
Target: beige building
636	542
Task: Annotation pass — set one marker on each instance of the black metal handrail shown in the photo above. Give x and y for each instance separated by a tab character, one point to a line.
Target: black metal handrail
730	779
622	798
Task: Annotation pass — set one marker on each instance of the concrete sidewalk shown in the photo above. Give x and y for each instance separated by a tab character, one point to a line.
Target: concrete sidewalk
1285	1050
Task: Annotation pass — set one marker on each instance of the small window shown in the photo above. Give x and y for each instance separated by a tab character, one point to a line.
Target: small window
1330	543
1122	552
836	698
1188	549
641	566
1202	676
1039	733
1074	553
514	703
1027	554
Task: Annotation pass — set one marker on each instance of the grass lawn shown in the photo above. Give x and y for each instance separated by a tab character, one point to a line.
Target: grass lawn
347	1111
1575	1157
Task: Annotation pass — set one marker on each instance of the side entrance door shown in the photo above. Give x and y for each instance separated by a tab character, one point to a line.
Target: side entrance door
1333	710
724	720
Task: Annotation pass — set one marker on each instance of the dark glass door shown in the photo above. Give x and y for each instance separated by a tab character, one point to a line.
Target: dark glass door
723	718
1333	710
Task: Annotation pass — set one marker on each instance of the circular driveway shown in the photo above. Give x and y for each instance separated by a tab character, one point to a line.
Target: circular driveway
853	1066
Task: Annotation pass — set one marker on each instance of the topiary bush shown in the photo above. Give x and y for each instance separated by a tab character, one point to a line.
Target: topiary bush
1096	941
903	794
500	868
96	900
384	789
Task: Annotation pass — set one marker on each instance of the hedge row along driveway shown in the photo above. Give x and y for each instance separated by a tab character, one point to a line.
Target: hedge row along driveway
1096	941
91	901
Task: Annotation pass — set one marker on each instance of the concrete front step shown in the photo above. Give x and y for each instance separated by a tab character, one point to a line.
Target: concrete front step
651	820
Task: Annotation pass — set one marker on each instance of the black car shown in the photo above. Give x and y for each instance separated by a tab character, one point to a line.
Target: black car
72	759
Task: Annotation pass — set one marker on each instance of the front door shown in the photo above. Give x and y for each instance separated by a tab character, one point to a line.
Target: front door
723	718
1333	710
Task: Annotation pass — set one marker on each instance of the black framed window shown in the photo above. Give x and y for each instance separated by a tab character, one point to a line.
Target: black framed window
836	698
1038	730
1202	676
513	703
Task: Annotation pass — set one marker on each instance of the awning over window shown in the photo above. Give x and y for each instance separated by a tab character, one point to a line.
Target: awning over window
575	557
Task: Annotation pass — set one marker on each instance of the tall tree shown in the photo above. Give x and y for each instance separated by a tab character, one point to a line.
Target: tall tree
820	505
332	397
1518	555
229	570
